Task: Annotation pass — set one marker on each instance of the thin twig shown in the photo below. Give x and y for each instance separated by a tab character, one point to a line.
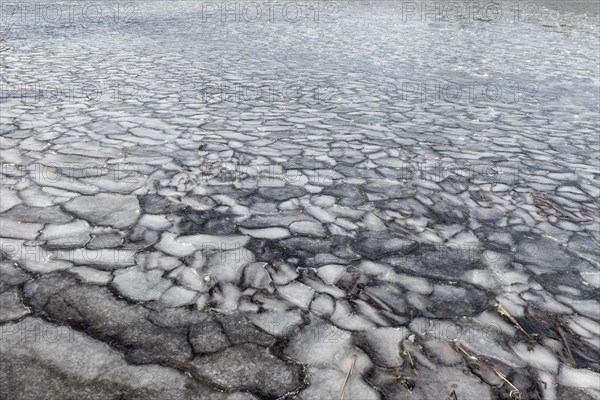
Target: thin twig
410	361
514	391
566	346
504	312
465	352
350	371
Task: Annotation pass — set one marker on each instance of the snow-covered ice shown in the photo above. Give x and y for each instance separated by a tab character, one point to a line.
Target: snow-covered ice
343	207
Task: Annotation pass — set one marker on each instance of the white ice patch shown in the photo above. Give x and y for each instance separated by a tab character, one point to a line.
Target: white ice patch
227	266
481	277
589	308
19	230
373	223
267	233
323	200
76	233
466	238
592	278
32	258
548	387
192	279
297	294
157	259
278	323
176	296
385	343
170	245
184	246
538	357
139	285
92	275
323	305
413	283
331	273
282	273
308	228
442	352
105	209
8	199
256	275
328	384
227	298
322	345
155	222
345	318
101	258
579	378
320	214
592	327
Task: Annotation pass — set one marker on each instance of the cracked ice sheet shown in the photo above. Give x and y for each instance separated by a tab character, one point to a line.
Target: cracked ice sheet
256	246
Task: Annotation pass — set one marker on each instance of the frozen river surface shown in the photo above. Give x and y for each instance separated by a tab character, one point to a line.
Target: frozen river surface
317	201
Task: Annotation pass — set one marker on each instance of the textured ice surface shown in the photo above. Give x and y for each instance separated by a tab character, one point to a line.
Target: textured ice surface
106	209
269	210
91	369
248	367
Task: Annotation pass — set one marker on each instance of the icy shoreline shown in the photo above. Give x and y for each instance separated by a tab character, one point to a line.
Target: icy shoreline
378	206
